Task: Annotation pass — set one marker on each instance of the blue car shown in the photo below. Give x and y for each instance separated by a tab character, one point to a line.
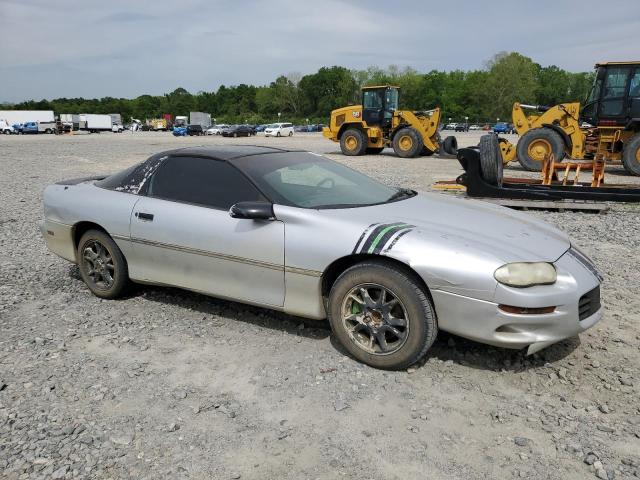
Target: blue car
502	127
29	127
179	131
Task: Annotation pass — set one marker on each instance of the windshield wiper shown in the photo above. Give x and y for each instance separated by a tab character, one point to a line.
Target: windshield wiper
401	193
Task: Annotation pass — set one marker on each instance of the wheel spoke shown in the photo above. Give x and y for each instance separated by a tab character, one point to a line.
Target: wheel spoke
395	321
394	331
356	299
382	340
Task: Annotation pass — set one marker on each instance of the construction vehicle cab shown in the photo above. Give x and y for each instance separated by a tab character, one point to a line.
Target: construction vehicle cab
379	104
378	123
614	99
606	127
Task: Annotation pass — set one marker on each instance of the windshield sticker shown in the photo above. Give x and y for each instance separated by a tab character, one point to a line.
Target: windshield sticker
381	237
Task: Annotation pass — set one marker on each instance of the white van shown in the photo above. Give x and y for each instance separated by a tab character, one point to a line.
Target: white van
279	130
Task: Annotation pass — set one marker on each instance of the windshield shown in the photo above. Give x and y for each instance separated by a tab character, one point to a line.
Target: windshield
308	180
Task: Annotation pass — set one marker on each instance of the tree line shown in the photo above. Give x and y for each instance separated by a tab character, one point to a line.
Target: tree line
482	95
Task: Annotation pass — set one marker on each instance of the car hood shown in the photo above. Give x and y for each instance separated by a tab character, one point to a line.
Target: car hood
477	227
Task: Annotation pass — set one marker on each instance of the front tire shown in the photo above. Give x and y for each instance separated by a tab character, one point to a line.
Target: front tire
407	143
353	142
381	315
631	155
102	265
535	144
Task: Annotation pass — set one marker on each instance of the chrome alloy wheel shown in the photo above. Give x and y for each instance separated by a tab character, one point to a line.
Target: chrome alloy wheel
375	319
97	263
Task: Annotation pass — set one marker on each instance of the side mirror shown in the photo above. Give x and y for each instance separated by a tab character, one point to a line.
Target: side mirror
252	210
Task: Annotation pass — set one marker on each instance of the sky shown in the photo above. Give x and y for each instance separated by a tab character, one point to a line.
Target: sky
124	48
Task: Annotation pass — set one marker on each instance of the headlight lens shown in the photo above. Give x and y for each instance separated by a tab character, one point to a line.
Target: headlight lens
524	274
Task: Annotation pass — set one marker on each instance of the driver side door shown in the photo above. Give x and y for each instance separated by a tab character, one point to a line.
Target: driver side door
183	236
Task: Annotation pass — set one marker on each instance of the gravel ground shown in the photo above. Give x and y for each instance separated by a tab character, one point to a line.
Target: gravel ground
171	384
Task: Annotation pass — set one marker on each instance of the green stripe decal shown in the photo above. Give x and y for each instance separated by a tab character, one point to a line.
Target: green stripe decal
381	234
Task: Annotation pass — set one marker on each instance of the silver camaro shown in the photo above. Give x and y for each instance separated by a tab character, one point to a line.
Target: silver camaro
297	232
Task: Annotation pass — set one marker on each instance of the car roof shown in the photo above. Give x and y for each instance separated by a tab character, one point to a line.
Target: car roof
227	153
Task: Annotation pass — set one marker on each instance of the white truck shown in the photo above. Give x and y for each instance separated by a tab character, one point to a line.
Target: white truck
44	120
94	123
200	118
116	122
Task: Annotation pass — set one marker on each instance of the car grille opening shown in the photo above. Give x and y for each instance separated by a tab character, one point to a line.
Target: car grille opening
589	303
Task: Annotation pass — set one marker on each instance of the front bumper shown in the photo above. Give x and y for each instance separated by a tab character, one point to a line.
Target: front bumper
485	322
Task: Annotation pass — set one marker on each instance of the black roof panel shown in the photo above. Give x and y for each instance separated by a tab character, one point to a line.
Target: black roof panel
226	152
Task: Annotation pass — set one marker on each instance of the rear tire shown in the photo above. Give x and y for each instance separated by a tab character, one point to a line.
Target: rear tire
406	328
407	142
102	265
535	144
374	150
491	159
631	155
353	142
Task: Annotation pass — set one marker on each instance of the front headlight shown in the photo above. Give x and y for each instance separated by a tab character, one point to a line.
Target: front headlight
525	274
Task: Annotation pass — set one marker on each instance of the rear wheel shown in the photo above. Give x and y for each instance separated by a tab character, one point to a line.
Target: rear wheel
537	143
102	265
381	315
491	159
353	142
631	155
407	142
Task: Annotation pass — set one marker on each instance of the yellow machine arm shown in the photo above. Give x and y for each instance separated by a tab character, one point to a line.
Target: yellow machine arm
426	125
564	115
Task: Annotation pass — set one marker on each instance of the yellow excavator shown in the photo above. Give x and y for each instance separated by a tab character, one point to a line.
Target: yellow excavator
378	123
607	127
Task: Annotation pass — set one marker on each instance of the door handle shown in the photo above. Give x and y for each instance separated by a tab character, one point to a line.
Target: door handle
145	216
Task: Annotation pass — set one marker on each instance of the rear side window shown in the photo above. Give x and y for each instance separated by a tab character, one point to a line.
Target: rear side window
201	181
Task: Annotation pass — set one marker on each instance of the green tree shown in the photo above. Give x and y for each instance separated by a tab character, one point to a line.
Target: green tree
512	78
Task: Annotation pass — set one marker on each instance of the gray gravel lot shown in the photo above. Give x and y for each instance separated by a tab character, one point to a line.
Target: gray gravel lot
172	384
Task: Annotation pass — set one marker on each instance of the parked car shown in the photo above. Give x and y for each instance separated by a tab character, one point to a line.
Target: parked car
180	131
194	130
475	127
115	128
450	126
260	128
238	131
279	130
216	129
214	220
462	127
300	128
503	127
29	128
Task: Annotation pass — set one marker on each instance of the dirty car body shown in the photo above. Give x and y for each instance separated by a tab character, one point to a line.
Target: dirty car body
452	248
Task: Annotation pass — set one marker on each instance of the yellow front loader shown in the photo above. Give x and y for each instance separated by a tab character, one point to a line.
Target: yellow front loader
377	123
611	119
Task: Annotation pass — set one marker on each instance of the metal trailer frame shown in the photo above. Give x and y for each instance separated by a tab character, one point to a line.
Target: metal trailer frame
533	189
